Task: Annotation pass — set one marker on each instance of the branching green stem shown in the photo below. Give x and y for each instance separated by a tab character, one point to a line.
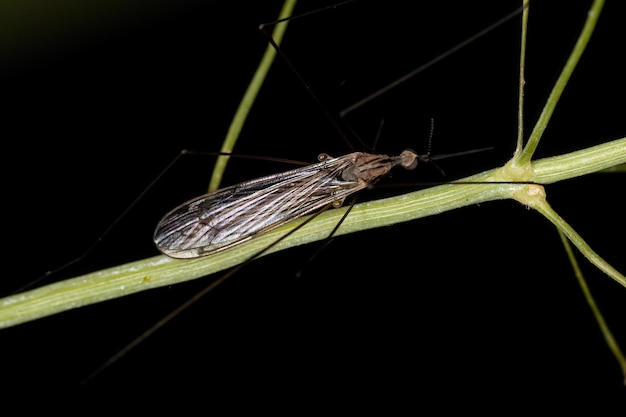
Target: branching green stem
559	86
162	271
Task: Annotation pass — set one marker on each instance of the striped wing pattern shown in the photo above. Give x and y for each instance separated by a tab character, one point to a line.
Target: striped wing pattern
232	215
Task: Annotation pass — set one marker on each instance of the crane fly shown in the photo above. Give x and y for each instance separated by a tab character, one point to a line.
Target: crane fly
235	214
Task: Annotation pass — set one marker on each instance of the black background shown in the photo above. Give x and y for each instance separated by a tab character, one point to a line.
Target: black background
478	307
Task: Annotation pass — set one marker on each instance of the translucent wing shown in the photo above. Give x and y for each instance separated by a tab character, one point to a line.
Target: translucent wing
232	215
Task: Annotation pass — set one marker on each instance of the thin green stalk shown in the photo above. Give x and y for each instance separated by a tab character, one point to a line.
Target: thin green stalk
604	328
542	206
249	97
522	81
583	39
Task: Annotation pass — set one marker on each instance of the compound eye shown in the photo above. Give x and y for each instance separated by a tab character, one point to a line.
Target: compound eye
409	159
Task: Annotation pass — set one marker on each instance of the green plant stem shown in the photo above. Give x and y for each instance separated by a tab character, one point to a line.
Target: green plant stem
522	81
611	342
249	97
564	228
160	271
559	86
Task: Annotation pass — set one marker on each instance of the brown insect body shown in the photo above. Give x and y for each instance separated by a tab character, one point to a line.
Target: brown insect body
235	214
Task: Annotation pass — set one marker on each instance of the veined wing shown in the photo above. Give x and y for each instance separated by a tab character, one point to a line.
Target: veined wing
234	214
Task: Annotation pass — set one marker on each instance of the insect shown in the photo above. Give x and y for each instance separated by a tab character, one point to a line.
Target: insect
235	214
330	327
